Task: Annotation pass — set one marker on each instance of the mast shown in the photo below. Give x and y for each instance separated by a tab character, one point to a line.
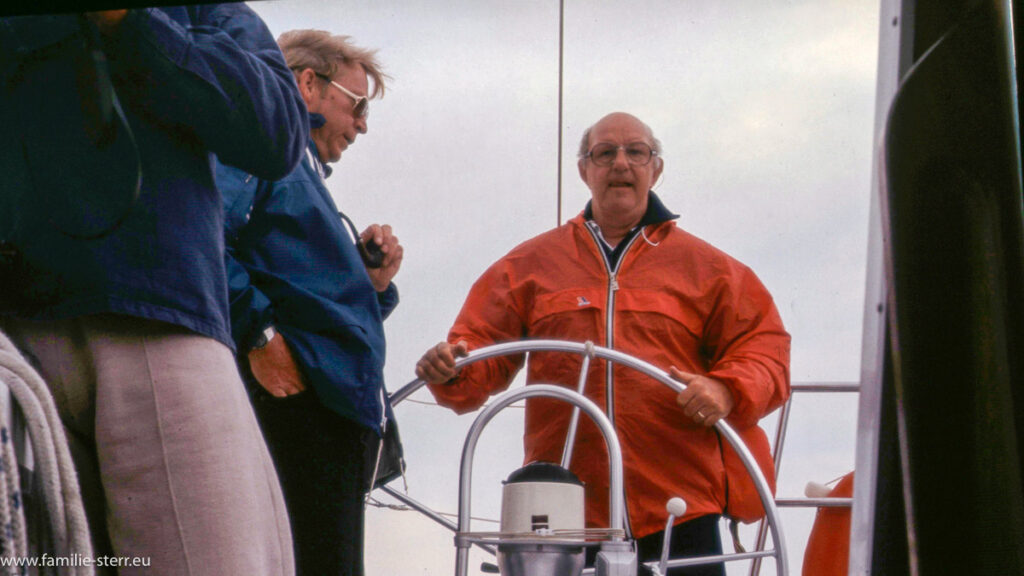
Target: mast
561	56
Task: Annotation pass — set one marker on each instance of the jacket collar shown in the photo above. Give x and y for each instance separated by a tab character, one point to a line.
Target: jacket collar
316	121
656	211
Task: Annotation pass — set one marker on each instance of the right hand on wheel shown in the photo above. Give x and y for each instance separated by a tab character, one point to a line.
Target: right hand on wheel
438	364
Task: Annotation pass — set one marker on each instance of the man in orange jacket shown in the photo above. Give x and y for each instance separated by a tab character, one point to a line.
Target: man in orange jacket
622	275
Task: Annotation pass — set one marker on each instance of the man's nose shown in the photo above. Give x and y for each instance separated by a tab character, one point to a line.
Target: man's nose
621	160
361	126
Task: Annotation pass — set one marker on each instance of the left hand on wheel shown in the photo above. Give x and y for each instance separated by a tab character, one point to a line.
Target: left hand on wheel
705	400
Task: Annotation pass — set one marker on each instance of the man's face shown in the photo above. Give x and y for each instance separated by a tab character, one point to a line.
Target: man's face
342	125
619	191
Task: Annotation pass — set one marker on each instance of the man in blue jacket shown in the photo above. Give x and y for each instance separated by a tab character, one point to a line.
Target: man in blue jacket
307	312
112	275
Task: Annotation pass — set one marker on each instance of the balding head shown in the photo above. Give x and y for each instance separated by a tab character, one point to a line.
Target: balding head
619	162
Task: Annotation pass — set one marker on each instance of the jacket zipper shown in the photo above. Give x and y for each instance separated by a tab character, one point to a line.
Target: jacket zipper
613	287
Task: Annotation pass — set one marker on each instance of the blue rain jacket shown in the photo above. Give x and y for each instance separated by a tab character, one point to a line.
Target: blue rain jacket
187	82
293	263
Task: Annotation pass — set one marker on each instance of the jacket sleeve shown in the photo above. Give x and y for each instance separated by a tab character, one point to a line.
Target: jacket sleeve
388	300
222	79
251	309
491	314
749	347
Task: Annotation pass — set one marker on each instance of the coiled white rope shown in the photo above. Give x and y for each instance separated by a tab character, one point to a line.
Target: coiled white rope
60	491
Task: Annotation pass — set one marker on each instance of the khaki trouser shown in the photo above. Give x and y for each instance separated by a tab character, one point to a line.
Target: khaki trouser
170	458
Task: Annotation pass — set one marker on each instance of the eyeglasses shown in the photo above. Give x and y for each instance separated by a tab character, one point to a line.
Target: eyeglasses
637	154
361	109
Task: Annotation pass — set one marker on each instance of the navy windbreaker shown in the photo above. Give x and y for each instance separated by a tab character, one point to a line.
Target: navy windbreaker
189	82
293	263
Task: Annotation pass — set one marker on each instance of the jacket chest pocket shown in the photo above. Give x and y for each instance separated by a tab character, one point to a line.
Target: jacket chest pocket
660	327
574	314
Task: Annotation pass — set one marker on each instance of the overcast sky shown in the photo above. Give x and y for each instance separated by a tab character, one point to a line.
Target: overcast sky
765	111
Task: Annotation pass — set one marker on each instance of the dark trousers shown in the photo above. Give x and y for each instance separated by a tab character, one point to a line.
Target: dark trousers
698	537
320	459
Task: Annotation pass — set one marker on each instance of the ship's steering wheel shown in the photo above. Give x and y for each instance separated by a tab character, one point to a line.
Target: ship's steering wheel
589	351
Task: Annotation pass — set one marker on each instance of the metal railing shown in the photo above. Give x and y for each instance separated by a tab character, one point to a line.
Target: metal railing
777	449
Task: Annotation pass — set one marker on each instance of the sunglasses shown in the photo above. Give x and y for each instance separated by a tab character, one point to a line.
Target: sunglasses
361	109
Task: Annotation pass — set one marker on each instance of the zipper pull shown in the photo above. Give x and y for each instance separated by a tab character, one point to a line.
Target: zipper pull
614	287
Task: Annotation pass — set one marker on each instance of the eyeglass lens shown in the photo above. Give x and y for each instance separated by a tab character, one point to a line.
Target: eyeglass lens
637	153
360	108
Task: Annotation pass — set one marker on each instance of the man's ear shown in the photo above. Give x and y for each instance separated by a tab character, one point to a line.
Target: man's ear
582	166
307	81
659	165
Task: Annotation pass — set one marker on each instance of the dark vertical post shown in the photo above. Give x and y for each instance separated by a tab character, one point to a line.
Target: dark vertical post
953	216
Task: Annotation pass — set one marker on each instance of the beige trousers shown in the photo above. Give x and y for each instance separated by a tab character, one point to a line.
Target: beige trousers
170	458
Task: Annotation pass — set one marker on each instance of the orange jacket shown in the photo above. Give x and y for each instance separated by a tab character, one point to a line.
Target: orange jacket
675	301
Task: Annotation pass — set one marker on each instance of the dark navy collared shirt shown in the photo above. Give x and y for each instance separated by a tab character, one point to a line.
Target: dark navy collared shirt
656	213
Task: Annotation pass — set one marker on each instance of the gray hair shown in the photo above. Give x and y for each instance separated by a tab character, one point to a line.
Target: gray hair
324	53
585	140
